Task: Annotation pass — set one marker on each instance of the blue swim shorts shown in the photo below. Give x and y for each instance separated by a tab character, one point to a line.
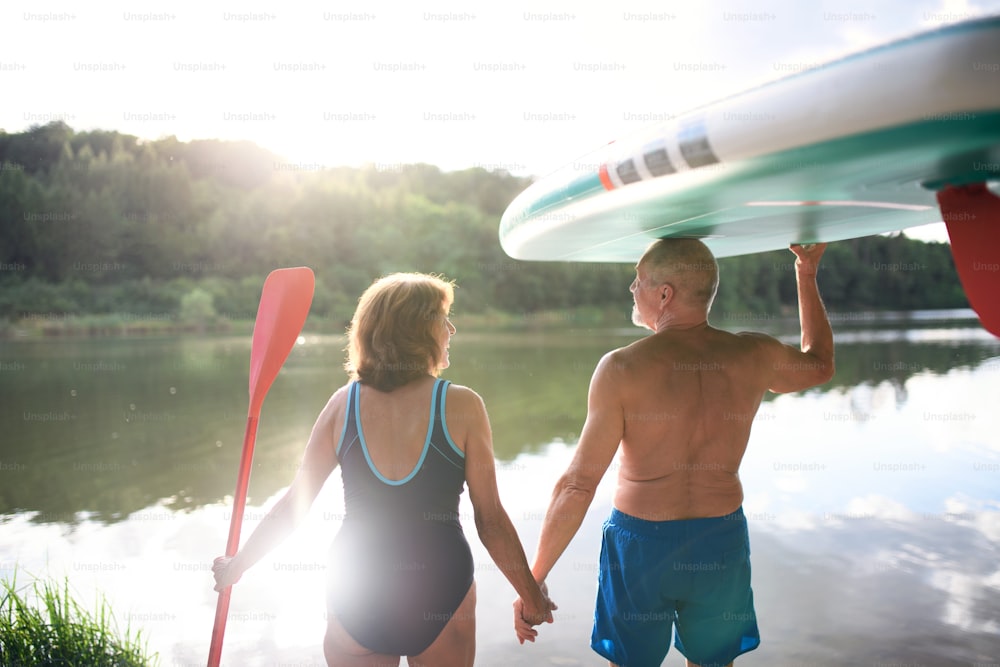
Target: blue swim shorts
693	574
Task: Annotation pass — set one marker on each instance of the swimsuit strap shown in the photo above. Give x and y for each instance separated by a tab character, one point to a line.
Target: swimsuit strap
441	440
349	433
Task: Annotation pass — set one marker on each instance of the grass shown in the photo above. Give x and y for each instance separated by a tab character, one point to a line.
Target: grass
44	626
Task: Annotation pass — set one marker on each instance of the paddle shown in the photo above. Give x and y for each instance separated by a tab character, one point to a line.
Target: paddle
284	305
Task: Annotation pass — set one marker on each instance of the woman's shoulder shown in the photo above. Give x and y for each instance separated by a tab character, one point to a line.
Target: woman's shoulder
465	405
337	402
463	394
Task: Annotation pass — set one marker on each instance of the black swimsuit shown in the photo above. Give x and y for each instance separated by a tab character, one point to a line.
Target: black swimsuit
400	565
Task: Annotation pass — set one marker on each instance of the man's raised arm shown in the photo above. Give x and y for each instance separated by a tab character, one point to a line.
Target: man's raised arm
812	364
817	336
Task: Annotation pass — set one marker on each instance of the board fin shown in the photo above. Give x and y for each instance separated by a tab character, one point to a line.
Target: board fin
972	216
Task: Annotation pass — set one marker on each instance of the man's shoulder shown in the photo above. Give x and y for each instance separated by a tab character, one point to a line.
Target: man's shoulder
755	338
711	340
622	355
615	363
635	358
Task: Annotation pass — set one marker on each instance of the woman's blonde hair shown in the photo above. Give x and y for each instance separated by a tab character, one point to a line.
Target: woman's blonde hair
392	338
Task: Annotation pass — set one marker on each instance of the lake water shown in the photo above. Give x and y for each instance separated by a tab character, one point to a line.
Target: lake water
873	502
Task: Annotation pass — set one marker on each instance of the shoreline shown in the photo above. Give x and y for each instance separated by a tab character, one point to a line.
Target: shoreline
124	325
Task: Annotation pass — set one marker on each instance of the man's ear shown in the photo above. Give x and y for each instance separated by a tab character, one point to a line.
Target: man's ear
667	293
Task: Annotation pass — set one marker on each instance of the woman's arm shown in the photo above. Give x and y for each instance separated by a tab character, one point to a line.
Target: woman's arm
494	526
318	461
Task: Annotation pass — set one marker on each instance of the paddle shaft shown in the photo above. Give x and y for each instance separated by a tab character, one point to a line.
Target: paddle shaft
233	544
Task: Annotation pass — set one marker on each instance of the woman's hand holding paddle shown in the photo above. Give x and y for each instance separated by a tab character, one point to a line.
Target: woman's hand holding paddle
226	572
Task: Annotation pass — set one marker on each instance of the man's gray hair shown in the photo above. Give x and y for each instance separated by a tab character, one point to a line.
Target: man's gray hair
687	265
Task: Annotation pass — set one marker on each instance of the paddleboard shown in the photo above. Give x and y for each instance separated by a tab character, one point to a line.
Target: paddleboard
855	147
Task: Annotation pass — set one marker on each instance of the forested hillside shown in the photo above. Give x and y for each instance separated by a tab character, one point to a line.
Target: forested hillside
102	222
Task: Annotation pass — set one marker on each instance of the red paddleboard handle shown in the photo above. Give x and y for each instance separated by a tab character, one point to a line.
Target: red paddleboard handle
972	215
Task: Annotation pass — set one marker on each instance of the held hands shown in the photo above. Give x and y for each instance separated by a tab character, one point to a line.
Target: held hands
527	615
226	573
807	256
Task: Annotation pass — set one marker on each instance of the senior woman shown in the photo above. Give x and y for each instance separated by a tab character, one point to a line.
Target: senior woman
401	572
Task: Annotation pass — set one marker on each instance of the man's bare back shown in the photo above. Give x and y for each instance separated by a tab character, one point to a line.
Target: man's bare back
689	398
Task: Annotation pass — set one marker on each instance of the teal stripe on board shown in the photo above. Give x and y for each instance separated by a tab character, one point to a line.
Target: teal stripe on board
581	187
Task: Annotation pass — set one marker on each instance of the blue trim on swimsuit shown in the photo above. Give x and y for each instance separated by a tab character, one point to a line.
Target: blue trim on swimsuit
343	431
444	424
423	453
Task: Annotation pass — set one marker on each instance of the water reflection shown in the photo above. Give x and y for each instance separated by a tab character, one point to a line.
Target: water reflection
103	428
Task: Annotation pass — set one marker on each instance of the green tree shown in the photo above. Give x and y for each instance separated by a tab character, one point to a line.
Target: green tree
197	308
101	222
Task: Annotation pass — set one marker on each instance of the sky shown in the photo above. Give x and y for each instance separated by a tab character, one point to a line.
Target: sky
525	86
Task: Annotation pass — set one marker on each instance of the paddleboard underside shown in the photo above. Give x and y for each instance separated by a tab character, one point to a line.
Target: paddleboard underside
856	186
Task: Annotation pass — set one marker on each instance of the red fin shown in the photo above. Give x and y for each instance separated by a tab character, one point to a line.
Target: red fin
972	215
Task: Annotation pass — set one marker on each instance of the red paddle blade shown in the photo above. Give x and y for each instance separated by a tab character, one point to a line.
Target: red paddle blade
284	306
